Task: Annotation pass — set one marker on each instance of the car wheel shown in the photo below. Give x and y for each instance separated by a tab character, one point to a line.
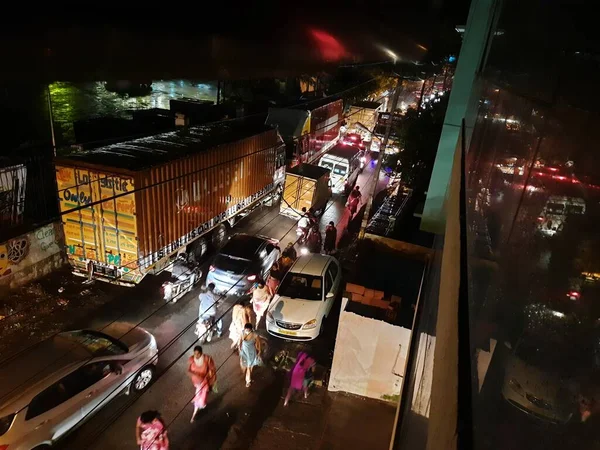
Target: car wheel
143	379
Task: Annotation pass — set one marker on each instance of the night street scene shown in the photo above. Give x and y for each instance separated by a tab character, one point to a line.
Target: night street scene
245	226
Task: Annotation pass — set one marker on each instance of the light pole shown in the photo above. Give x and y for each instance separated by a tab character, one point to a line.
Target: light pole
386	136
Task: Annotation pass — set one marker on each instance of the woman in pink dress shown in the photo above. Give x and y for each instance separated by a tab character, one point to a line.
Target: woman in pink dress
151	432
203	373
302	376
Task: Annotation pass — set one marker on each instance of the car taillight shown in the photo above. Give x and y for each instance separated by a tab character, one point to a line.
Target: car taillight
251	277
211	268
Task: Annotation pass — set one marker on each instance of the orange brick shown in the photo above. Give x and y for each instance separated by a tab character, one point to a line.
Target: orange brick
396	299
369	293
358	298
355	288
377	295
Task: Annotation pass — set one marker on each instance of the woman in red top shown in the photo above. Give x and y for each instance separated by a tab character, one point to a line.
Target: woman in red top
202	371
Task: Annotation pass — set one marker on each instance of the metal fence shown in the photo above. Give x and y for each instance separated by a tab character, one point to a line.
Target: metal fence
27	191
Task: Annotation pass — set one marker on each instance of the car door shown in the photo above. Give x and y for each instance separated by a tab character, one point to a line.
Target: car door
106	379
332	282
58	408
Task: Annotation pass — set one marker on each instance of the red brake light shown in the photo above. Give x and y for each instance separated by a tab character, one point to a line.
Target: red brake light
353	138
211	268
574	294
251	277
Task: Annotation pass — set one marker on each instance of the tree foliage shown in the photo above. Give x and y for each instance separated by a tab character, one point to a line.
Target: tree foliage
418	136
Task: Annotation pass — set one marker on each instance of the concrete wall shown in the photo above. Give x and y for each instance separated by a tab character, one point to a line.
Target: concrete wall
369	357
31	255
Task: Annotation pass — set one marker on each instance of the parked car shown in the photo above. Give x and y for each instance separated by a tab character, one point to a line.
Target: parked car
50	389
241	262
304	298
538	379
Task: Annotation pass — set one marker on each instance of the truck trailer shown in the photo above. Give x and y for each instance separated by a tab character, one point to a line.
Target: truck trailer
128	209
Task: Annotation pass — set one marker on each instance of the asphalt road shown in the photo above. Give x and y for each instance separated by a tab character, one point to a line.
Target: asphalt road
173	326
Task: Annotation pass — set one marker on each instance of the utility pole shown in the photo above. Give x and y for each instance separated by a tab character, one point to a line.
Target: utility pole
51	119
386	136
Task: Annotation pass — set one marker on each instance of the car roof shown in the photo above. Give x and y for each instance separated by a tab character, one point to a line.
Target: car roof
41	362
311	264
243	245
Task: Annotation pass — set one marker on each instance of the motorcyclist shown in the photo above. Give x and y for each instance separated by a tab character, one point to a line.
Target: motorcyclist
208	307
354	200
314	240
306	221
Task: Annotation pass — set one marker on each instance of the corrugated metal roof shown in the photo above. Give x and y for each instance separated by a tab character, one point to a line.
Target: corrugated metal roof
144	152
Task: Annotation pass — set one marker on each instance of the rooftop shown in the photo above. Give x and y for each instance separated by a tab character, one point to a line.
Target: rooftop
243	246
141	153
345	151
312	264
367	104
308	171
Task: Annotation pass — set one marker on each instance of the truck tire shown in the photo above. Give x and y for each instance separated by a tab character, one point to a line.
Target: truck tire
219	236
199	248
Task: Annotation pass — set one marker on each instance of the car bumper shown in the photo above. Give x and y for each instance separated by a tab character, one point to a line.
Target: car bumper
292	335
227	288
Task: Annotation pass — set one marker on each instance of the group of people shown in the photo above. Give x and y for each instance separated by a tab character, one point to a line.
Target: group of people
151	430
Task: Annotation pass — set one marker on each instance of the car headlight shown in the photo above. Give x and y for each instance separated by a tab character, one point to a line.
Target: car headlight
310	324
270	317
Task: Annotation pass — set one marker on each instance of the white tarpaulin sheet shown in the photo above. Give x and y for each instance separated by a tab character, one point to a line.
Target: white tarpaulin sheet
369	357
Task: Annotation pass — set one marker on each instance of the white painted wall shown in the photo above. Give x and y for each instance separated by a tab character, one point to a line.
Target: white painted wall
369	356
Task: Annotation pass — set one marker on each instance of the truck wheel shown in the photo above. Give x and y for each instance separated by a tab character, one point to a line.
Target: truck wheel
200	248
219	236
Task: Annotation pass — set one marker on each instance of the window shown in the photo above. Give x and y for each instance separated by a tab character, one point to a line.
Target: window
340	170
67	388
305	287
328	282
98	344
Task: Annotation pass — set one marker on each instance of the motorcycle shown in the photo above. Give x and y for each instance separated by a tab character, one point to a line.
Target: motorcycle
313	242
185	274
206	329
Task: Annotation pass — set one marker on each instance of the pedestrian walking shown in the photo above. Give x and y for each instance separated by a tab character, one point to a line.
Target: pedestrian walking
290	252
302	376
261	297
240	316
330	238
151	432
250	350
203	373
275	277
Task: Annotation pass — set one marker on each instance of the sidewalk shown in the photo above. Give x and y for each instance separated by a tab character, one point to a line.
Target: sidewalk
324	421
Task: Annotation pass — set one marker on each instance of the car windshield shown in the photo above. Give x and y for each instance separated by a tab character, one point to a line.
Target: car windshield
340	170
326	165
96	343
305	287
231	264
555	207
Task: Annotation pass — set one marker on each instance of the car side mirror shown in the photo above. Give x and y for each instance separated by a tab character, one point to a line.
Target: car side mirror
330	295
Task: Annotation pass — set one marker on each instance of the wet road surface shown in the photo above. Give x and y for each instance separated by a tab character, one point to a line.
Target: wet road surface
173	326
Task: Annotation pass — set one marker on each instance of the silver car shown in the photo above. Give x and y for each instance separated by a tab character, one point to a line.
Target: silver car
54	386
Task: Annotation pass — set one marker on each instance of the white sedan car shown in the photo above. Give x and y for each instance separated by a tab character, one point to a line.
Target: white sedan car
304	298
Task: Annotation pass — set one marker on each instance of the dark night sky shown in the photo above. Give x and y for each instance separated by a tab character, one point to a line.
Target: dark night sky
235	39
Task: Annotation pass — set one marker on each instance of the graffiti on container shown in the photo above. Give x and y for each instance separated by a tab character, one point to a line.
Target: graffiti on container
76	197
182	199
114	260
12	253
106	182
46	238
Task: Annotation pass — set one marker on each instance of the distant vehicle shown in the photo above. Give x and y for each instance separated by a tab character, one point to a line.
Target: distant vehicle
49	390
353	139
556	212
243	261
535	382
344	163
304	298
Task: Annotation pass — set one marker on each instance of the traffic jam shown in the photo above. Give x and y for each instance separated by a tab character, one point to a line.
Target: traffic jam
184	203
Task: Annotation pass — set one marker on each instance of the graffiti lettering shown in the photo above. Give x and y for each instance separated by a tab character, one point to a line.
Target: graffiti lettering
81	199
115	260
116	183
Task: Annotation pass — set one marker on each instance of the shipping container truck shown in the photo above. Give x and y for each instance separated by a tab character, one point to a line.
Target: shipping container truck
151	198
308	130
306	186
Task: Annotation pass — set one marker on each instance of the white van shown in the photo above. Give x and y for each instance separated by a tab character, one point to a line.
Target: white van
344	164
